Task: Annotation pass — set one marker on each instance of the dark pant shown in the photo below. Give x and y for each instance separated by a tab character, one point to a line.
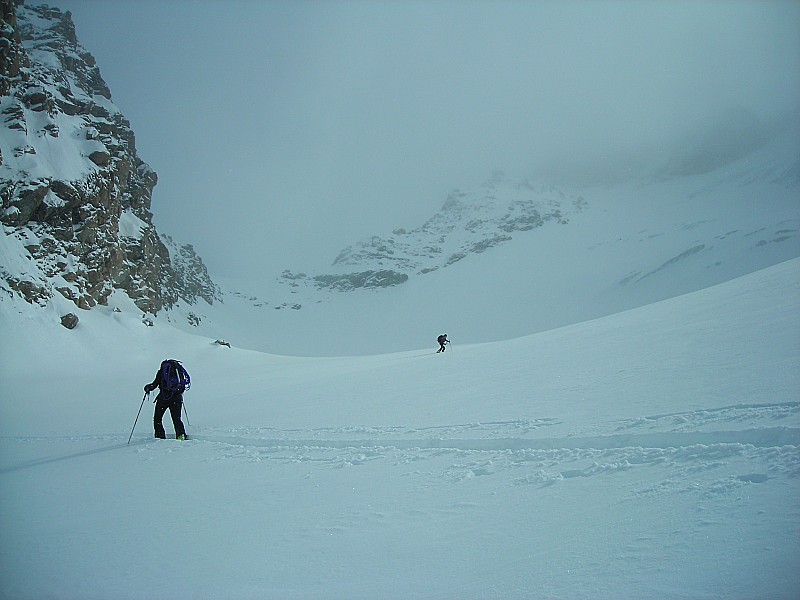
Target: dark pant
174	405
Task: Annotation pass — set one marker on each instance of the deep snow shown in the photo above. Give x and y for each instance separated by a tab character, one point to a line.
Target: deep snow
642	443
651	453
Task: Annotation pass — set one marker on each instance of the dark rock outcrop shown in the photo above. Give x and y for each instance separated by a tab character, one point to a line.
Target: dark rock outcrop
70	320
76	197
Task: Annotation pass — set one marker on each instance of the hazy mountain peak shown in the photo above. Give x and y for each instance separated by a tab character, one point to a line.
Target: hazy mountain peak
468	223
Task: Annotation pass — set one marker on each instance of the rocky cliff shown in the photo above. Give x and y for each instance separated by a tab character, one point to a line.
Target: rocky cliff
76	196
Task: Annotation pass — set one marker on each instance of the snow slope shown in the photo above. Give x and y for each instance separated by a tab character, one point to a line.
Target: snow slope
650	453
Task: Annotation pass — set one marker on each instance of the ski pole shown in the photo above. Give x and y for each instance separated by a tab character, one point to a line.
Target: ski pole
146	394
186	413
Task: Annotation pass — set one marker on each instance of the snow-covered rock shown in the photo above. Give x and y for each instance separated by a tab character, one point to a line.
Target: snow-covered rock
468	223
76	196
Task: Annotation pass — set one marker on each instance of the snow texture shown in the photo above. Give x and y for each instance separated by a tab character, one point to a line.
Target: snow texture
652	453
617	416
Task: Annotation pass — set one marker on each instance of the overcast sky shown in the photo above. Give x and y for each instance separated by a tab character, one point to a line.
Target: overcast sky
282	131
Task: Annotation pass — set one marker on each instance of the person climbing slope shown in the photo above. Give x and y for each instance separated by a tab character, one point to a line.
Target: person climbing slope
442	339
171	380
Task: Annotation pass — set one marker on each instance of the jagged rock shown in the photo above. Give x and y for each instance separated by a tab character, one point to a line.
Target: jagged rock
191	277
37	99
12	57
33	291
96	219
365	279
101	159
70	320
222	343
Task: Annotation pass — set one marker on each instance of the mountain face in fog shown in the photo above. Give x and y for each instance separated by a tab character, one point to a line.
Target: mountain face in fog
721	141
76	196
730	138
510	258
468	223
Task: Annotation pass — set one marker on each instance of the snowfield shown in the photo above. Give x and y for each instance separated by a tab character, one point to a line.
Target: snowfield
651	453
617	417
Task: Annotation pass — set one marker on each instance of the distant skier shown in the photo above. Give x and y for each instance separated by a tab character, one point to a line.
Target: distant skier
442	339
171	380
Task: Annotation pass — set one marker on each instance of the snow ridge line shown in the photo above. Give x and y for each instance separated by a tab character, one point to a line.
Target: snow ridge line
760	438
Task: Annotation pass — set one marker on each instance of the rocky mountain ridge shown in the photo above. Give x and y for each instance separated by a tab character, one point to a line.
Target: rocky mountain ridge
76	197
468	223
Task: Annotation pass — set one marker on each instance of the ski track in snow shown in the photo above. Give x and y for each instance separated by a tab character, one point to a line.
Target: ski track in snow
766	446
747	444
